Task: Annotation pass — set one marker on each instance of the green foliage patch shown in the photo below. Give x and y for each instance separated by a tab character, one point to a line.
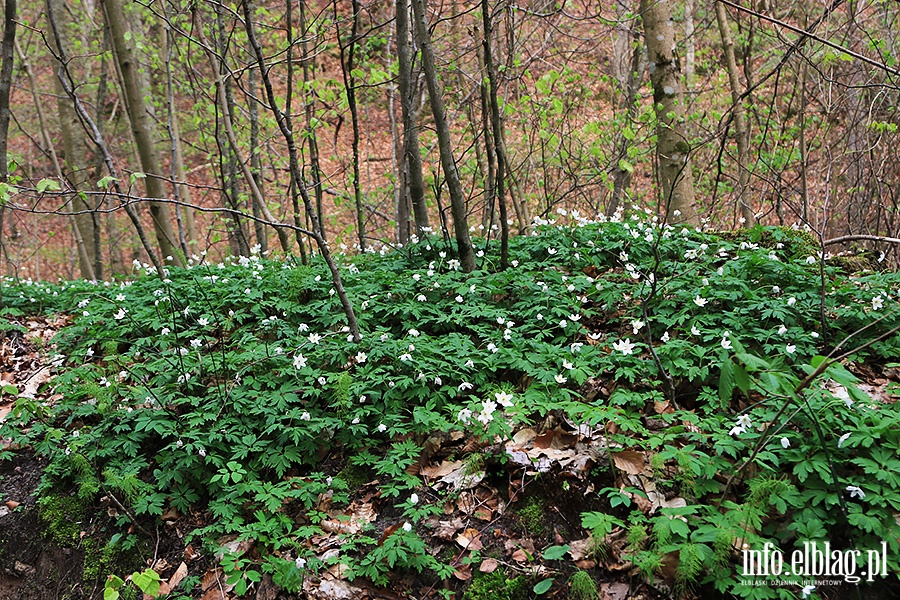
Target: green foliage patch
225	387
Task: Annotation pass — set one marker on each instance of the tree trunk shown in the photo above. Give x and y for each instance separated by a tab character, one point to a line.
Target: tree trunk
85	261
255	163
64	77
75	160
309	104
228	153
689	46
672	147
496	127
454	187
348	65
740	127
621	170
232	138
6	73
134	93
283	120
411	156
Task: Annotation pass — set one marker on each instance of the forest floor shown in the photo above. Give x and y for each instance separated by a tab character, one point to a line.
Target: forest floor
561	429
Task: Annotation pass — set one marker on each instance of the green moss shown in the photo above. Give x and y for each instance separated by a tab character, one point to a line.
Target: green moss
854	263
497	586
531	516
355	476
61	517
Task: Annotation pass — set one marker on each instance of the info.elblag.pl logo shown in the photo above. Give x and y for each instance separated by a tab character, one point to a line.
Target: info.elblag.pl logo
816	560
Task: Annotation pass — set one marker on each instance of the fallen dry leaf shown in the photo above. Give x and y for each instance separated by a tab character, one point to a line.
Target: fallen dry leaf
520	555
470	539
388	532
614	591
190	554
356	516
483	514
179	575
463	573
630	461
523	436
445	468
580	549
488	565
214	594
555	438
446	530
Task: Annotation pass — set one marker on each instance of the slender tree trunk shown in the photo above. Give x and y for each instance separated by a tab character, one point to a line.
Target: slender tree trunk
672	146
408	114
85	262
64	78
309	106
489	218
116	266
401	194
496	127
348	64
255	164
232	138
76	172
740	127
229	154
187	233
134	93
622	171
7	54
804	160
284	125
6	72
172	131
689	46
454	187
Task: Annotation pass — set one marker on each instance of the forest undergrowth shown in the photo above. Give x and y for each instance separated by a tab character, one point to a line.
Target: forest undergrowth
628	402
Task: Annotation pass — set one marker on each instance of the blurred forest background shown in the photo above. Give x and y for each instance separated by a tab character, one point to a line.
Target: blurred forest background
156	131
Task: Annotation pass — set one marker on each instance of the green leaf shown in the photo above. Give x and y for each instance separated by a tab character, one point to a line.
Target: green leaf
147	582
555	552
111	589
741	379
47	184
726	381
543	587
105	181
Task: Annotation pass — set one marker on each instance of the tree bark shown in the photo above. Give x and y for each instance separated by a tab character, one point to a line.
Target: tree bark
451	174
255	163
309	104
65	80
348	65
135	93
232	138
411	156
621	172
85	262
496	128
740	127
284	125
672	146
75	160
